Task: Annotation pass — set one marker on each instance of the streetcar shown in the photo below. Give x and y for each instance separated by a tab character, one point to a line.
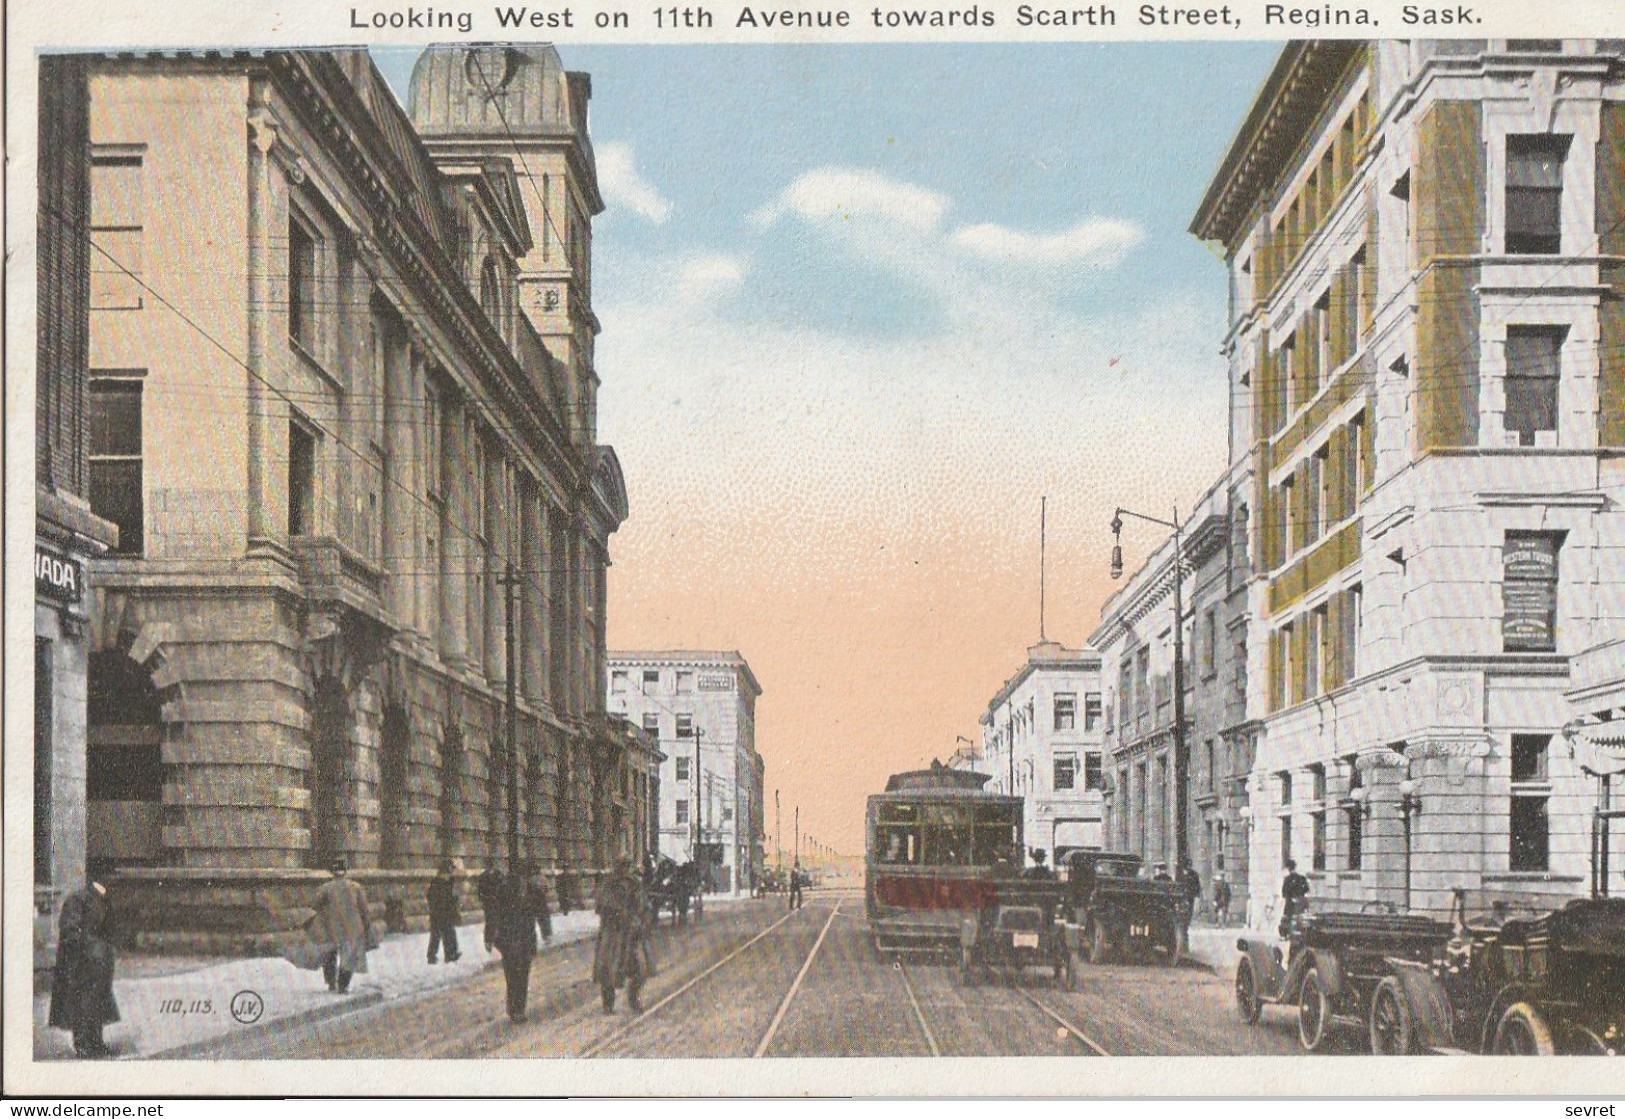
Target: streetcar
936	842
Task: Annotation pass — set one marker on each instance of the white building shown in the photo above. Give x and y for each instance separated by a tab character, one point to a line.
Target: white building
701	709
1041	741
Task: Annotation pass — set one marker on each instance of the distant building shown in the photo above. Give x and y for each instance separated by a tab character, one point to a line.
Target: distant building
342	379
1042	741
700	707
1427	373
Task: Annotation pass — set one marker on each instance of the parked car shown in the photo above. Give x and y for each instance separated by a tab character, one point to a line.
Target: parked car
1330	966
1118	911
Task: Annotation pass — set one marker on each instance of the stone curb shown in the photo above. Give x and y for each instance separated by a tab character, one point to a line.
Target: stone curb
347	1004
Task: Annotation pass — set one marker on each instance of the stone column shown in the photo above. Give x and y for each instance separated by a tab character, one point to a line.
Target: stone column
399	515
533	651
496	532
454	544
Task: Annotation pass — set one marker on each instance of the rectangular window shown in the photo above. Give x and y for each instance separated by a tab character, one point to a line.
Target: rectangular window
117	217
301	284
651	723
1212	766
1094	772
1286	840
685	683
1322	324
1529	591
651	678
116	483
1353	604
1530	845
617	681
1534	373
1356	832
685	726
1317	658
1286	543
301	479
1066	774
1284	781
1285	687
1317	836
1357	468
1210	643
1317	782
1066	711
1091	711
1317	505
1529	753
682	768
1534	193
682	812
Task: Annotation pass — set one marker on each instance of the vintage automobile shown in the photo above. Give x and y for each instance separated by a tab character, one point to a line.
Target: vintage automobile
1020	926
1544	984
1117	911
1330	967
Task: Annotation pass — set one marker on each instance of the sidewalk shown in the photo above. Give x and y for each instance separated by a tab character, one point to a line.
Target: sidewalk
1215	946
150	987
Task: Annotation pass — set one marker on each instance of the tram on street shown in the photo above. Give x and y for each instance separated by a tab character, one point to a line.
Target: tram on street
936	841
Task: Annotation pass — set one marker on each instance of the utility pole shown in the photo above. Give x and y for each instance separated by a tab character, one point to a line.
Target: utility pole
510	582
699	812
778	831
1181	747
798	833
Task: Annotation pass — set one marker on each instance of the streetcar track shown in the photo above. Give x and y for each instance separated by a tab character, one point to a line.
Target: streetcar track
919	1015
789	997
622	1032
1060	1021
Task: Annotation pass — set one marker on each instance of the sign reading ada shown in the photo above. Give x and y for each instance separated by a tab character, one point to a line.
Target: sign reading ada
57	577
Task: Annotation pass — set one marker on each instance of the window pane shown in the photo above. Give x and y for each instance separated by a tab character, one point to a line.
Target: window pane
1530	834
1529	756
115	418
115	495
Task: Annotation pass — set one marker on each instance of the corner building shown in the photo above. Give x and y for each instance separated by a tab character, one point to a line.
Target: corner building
342	356
699	709
1427	368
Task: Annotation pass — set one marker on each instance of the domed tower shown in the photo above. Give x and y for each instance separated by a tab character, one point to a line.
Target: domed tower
518	106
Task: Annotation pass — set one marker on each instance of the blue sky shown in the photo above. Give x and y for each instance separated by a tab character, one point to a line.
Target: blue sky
863	307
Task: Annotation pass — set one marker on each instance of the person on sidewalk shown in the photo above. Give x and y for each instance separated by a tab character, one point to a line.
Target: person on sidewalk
1190	884
443	913
539	904
1294	896
82	984
622	955
1221	898
488	888
344	920
797	880
515	917
1039	871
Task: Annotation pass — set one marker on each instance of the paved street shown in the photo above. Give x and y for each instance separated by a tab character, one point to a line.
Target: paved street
753	980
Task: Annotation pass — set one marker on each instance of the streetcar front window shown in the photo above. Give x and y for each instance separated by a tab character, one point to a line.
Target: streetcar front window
898	844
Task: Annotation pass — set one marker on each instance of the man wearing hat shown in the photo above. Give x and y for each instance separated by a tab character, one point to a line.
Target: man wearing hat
443	913
344	922
82	986
622	956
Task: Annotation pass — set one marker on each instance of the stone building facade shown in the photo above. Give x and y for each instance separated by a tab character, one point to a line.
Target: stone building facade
67	534
1042	741
345	358
700	707
1427	365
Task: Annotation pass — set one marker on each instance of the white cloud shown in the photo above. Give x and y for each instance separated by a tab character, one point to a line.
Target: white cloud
840	194
1093	243
620	181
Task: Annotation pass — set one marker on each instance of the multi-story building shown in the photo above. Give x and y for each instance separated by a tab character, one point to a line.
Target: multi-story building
700	707
1136	643
1427	365
1041	741
67	533
342	380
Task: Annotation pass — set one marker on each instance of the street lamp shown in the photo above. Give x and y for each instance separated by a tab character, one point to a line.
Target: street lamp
1181	751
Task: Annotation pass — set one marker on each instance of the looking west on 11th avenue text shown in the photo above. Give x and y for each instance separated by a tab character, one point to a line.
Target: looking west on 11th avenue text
903	18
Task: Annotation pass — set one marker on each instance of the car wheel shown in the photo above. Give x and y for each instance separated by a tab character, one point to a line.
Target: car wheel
1247	1004
1392	1032
1522	1032
1314	1011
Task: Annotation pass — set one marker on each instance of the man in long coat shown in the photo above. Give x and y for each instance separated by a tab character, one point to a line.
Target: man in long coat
519	909
443	913
82	984
343	921
622	954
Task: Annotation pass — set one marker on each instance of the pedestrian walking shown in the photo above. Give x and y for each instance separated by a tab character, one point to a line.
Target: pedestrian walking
516	920
343	921
540	910
1039	871
82	982
1221	898
488	888
622	956
796	883
443	913
1190	883
1294	896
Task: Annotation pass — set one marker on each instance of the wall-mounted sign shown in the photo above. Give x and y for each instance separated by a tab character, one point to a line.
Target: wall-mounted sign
716	683
57	577
1529	592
